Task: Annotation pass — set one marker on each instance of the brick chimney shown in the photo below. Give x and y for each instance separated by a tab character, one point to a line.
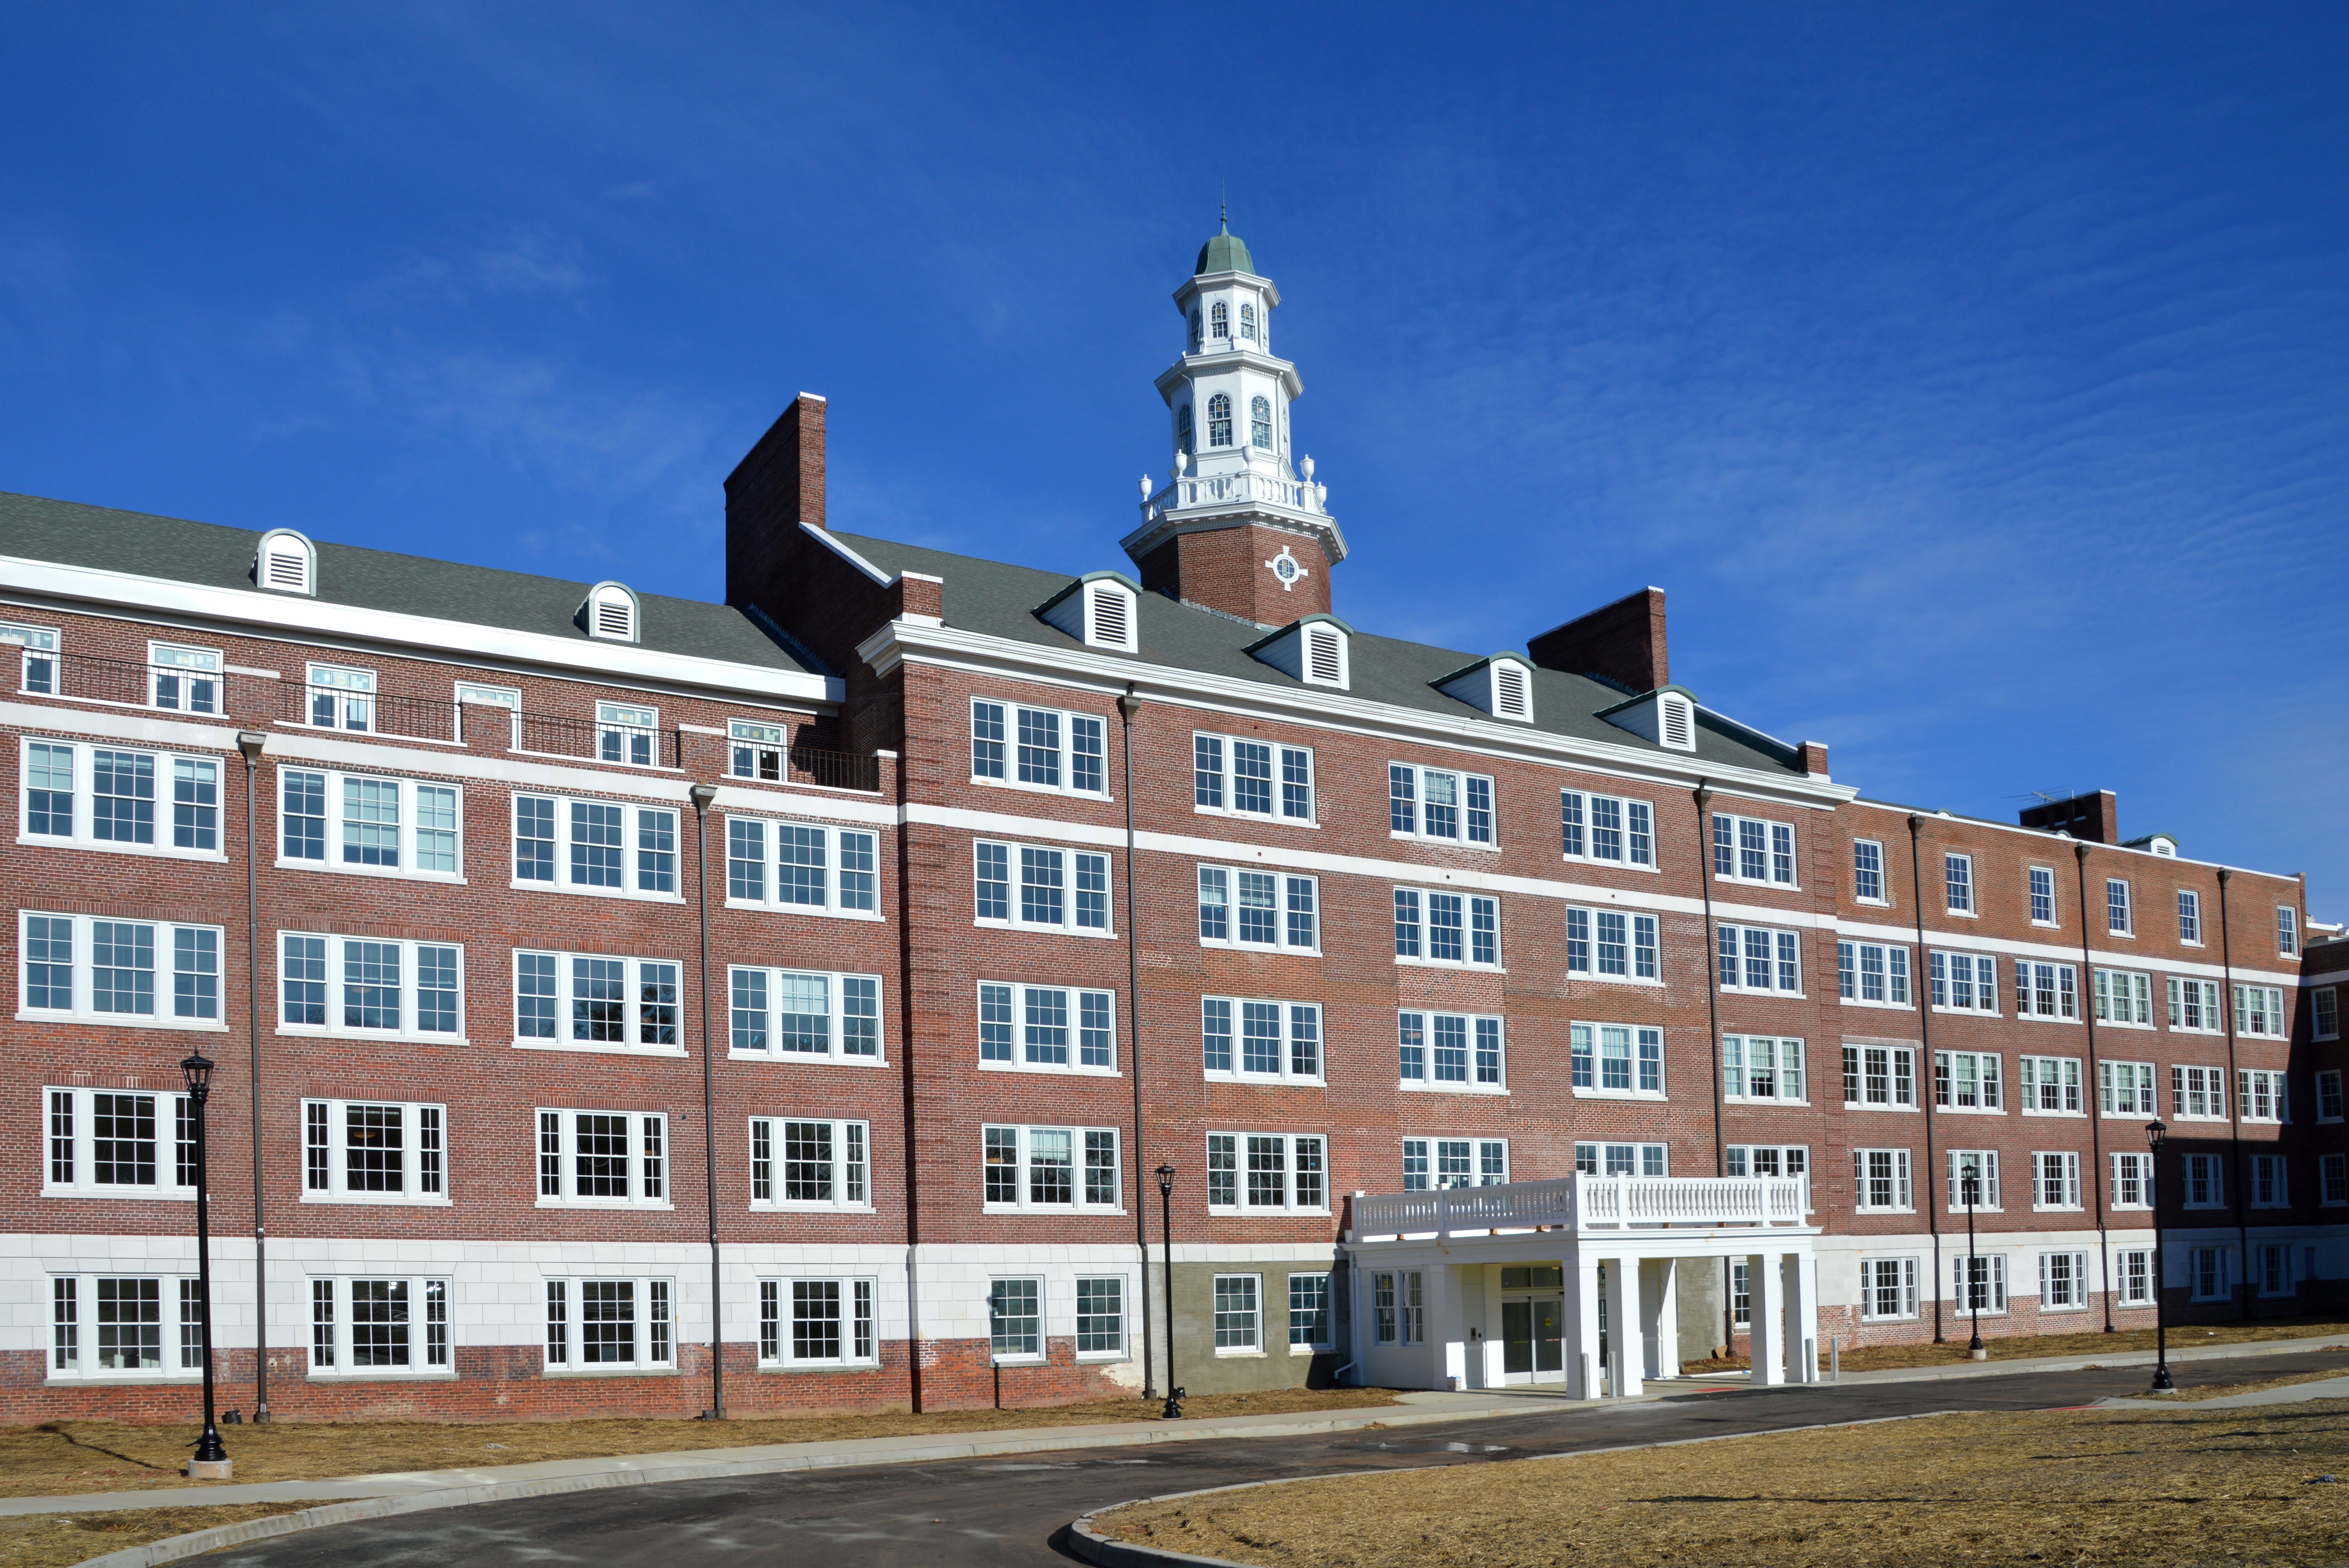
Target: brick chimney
2095	816
1241	571
1622	642
778	486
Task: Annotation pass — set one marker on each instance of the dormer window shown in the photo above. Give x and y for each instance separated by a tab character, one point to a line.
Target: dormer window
611	612
1108	617
1513	696
1676	720
1248	323
286	563
1260	424
1501	685
1219	418
1313	650
1185	440
1219	321
1324	655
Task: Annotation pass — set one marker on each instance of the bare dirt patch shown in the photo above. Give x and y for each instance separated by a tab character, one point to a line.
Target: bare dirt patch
2084	1488
58	1540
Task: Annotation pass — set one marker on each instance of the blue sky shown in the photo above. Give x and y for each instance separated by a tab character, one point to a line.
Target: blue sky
1972	379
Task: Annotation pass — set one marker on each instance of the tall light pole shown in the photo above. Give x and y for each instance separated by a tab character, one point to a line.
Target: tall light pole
1975	1351
1165	1174
211	1462
2154	1133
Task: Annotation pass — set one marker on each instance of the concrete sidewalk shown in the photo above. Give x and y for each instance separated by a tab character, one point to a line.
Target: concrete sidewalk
1417	1409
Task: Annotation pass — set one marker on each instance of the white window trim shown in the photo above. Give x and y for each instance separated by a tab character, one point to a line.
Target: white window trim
336	946
2179	1093
839	1203
1279	795
1917	1090
1240	1188
1431	1085
747	738
631	851
1124	1283
1236	1074
1999	1299
2039	1204
1015	882
2104	981
785	1358
2058	1018
2146	1181
2276	1082
574	1327
1780	1044
2128	907
2320	999
193	662
411	1194
2214	998
2252	1199
1994	1179
1593	974
632	1005
770	868
1589	832
1075	1067
2083	1285
617	725
2006	1085
569	1153
2327	1165
2107	1072
2273	1013
1077	1204
1596	1090
366	689
85	801
1736	874
2333	1074
406	870
2056	921
1476	1149
419	1369
1973	911
1777	950
83	1010
1469	900
1991	1010
1066	752
1227	1351
1883	877
83	1185
1736	1152
84	1370
1418	833
2196	939
1329	1340
2026	1093
1912	1297
1598	1146
834	996
1037	1356
1903	1175
2218	1183
1281	879
1908	976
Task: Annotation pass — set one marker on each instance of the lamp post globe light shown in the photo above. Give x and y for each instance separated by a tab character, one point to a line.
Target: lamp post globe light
2154	1133
1165	1174
211	1462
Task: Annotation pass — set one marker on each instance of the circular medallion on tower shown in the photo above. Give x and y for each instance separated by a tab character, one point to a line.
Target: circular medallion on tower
1284	567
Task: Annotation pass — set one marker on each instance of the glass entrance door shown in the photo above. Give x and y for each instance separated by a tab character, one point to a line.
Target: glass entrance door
1533	1343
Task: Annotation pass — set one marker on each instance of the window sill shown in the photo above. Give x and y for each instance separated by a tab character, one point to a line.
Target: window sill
1265	817
1459	964
815	1368
2045	1018
2055	1115
1962	914
380	1200
599	1048
1590	978
607	1371
1049	1211
147	1195
2187	1029
382	1036
1232	1212
380	873
1759	990
608	1204
121	1019
2045	1309
2132	1208
820	1058
1310	1349
2215	1121
1036	1360
1902	1110
2125	936
1224	1355
520	886
1873	903
1263	1080
819	911
1436	842
788	1206
1773	1100
1875	1213
1059	790
121	1379
1050	1069
1755	882
1102	1357
1655	1096
379	1375
2046	925
1876	1006
1413	1087
2123	1024
1595	865
2141	1117
2059	1208
112	847
1942	1011
1978	1209
983	924
1269	949
1969	1110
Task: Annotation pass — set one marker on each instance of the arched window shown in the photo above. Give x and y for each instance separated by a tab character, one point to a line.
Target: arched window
1219	418
1185	441
1260	424
1195	329
1220	320
1248	323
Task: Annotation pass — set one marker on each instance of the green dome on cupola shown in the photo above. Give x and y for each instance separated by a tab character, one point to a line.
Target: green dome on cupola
1227	252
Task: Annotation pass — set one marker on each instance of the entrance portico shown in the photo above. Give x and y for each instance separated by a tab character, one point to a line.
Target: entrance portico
1573	1282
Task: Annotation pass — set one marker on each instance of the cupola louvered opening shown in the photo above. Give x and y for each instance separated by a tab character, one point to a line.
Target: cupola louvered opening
1108	617
1512	697
1677	721
286	564
611	613
1325	656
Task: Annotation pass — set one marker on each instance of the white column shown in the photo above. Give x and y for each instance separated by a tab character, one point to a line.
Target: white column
1582	1325
1447	1336
1625	1341
1493	1350
1663	1321
1766	1290
1802	1317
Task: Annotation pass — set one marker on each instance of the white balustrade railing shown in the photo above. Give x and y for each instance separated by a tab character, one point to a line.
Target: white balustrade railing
1244	486
1582	1202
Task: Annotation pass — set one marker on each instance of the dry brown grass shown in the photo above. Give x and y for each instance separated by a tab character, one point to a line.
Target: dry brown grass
2015	1347
57	1541
66	1457
2190	1396
2085	1488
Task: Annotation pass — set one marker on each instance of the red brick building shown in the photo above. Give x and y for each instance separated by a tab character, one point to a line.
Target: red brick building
848	957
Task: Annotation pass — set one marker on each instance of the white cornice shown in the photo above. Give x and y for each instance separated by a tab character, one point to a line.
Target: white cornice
1318	706
289	613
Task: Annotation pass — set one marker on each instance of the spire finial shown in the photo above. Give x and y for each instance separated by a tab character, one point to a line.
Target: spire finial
1227	201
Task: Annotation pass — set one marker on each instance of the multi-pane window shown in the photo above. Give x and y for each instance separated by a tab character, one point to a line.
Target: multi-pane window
144	1328
1621	1159
2206	1180
1763	1067
363	986
2055	1179
592	1002
1879	1077
1880	1179
363	1151
2333	1179
804	866
1312	1326
817	1322
627	734
2328	1095
2260	1095
87	970
1261	1172
2132	1181
1052	1028
1431	1163
1398	1308
1051	1169
1251	778
1437	804
1240	908
374	1327
610	1324
1753	958
1015	1319
2045	991
2120	918
2194	1006
2050	1087
1439	928
2271	1268
35	661
1978	1167
2324	1013
2133	1276
1748	850
2198	1094
2258	1010
2124	999
1450	1050
108	798
375	826
1958	883
2125	1089
1037	748
1964	982
1968	1081
2062	1282
1868	871
1871	974
118	1143
340	697
1100	1317
596	846
604	1160
756	751
1979	1284
1621	1059
2269	1190
2189	916
804	1014
1239	1315
2043	895
1614	944
800	1164
1605	829
1261	1041
1790	1161
1037	888
1887	1289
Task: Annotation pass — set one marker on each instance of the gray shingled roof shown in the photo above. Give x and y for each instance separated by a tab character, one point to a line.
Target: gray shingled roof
173	548
1001	600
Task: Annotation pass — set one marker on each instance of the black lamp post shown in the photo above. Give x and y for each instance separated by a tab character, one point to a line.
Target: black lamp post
210	1451
1165	1174
2154	1133
1972	1178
